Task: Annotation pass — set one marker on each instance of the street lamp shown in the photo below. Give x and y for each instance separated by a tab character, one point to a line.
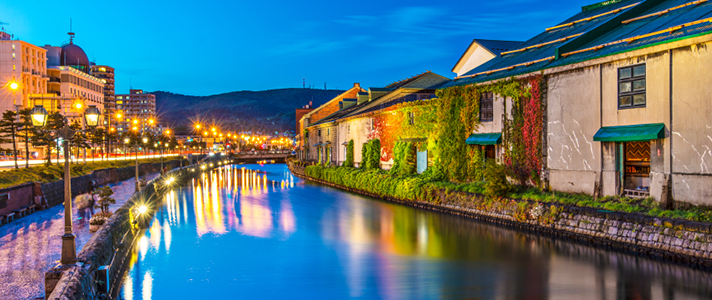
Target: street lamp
39	119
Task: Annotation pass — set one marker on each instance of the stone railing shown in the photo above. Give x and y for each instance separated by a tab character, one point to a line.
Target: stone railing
103	260
675	239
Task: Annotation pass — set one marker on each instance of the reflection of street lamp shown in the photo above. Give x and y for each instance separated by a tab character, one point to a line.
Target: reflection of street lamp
39	119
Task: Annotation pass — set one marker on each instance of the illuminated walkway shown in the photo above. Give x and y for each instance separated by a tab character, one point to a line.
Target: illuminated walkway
31	245
10	164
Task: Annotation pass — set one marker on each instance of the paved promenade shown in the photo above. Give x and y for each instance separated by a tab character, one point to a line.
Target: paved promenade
31	245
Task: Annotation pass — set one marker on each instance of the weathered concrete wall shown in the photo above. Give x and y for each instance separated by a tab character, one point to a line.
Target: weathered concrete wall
497	111
573	181
573	113
692	124
360	129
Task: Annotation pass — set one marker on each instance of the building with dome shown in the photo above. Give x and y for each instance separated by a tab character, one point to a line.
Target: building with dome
71	88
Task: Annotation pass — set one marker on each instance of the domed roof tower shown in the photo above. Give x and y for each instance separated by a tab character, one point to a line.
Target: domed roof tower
73	56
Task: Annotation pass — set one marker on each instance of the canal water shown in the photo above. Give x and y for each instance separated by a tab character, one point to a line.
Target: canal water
258	232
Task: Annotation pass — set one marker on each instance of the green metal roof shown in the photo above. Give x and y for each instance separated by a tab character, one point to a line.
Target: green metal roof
630	133
484	139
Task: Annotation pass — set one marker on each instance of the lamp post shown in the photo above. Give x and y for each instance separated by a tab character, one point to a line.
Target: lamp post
127	142
39	119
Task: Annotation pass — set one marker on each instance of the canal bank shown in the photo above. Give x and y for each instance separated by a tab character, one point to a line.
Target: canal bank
101	262
228	233
678	240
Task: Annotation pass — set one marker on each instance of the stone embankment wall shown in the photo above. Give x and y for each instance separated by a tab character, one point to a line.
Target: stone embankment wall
111	246
53	192
680	240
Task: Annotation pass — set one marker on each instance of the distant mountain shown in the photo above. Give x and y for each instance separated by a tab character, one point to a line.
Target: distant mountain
263	111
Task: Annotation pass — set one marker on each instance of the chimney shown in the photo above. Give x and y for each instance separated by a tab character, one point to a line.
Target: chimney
357	85
310	104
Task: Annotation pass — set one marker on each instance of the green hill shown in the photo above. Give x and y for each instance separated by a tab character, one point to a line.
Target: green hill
258	111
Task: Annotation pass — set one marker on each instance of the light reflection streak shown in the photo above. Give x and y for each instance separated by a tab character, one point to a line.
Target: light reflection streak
143	246
167	236
147	286
155	235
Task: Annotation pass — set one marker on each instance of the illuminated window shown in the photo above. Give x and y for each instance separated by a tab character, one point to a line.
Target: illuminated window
13	46
13	67
119	102
13	56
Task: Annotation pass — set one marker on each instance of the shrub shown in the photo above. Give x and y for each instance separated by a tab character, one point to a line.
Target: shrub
349	162
495	175
105	198
371	154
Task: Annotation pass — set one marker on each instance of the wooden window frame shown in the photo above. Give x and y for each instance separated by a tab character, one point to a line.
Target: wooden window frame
632	93
489	96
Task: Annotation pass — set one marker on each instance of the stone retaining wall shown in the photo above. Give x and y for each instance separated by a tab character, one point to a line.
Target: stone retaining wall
679	240
54	191
17	197
111	243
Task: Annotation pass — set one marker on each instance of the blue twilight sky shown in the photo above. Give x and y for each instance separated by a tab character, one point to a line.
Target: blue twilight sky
209	47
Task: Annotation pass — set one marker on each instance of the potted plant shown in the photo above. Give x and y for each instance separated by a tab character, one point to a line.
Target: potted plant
103	194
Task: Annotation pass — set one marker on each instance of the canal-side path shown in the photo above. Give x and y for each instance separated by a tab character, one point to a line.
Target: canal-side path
31	245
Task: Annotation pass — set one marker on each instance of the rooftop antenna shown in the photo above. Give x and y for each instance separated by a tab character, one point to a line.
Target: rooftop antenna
70	33
304	83
325	86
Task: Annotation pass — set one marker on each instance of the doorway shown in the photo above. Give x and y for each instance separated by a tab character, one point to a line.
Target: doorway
636	168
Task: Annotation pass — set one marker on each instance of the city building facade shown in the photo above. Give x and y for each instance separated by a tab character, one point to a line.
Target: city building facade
22	72
138	112
106	75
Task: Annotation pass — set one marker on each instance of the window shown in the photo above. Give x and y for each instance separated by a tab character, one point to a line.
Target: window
13	55
411	118
631	87
486	107
319	132
328	131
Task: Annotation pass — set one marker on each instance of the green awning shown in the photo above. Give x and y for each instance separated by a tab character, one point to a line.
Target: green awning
484	139
630	133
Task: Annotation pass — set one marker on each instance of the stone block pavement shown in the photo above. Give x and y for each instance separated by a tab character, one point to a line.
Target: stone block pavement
31	245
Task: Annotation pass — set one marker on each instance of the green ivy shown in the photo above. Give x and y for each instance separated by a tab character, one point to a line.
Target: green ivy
404	159
371	154
349	162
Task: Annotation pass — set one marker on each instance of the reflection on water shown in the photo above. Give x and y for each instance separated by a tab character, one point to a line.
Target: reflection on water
252	231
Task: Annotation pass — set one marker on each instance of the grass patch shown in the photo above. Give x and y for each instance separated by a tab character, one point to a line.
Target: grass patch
428	187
